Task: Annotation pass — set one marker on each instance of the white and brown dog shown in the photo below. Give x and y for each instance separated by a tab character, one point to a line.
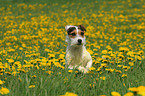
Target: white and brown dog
76	54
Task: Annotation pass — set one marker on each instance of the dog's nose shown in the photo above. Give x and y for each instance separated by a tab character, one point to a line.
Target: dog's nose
79	41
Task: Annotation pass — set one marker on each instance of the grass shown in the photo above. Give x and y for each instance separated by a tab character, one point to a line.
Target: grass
32	47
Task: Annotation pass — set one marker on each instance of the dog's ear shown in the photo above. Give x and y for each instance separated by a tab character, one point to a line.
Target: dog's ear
82	27
67	27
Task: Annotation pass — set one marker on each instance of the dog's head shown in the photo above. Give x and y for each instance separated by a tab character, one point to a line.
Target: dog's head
75	35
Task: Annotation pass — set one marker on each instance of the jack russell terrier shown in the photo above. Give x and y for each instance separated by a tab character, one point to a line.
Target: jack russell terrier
76	54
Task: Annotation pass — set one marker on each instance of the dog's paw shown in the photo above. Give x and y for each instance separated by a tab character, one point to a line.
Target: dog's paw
70	67
83	69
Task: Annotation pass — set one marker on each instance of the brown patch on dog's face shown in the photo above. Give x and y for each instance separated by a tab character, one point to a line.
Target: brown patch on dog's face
71	29
81	33
72	34
81	27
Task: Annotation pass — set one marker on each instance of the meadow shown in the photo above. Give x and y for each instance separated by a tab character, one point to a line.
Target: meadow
33	47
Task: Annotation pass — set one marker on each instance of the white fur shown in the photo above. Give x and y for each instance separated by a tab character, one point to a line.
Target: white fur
76	55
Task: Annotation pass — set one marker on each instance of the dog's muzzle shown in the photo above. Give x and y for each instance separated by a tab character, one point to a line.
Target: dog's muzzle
79	41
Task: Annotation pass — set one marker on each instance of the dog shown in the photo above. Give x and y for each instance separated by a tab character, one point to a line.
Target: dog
76	54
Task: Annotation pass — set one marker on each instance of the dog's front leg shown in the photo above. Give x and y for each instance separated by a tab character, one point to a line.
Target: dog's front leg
70	67
89	64
85	69
82	69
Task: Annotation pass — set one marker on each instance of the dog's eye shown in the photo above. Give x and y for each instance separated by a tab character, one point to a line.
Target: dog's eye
82	33
73	34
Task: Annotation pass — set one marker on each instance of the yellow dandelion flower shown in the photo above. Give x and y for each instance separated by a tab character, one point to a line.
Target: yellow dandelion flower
110	70
76	71
19	79
51	55
104	52
90	51
49	72
123	49
14	73
10	60
134	89
20	48
113	55
131	63
31	86
141	88
90	72
103	64
61	56
123	84
129	94
37	66
138	58
130	59
118	71
47	50
65	79
62	67
92	68
4	91
91	85
1	67
99	69
106	57
2	82
70	71
124	75
34	76
126	67
103	78
23	45
142	93
140	52
115	94
69	94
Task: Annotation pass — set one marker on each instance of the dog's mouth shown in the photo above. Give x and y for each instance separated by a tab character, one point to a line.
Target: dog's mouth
79	44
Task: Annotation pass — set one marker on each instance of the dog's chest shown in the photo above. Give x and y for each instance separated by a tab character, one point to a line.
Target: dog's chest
75	57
